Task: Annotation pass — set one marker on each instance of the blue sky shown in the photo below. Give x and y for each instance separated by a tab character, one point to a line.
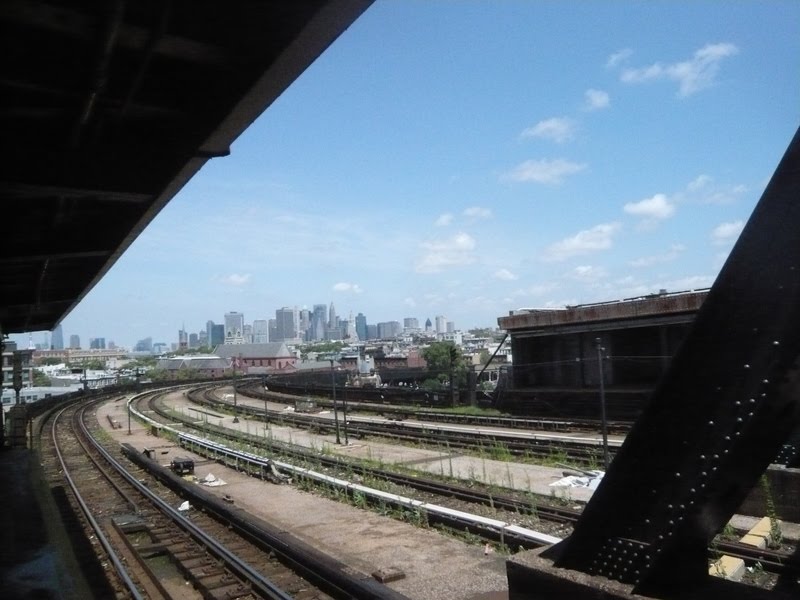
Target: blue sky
470	158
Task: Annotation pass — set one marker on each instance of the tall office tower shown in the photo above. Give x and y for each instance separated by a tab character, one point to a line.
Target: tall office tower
97	343
57	341
350	329
318	323
273	330
428	325
372	332
260	331
234	328
284	324
74	341
361	326
389	330
194	340
202	338
145	345
410	324
248	334
209	330
304	316
441	324
217	335
333	320
451	326
183	338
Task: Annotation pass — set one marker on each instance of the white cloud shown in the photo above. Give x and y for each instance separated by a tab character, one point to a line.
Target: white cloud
651	210
704	189
545	171
725	233
599	237
236	279
692	75
477	212
596	99
618	57
444	220
344	286
587	273
557	129
504	275
699	183
452	252
656	259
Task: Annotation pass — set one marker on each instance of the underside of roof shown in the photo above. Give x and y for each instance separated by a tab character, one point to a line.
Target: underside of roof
108	108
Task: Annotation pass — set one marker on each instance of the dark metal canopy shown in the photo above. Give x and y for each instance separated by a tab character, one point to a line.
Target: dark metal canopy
108	108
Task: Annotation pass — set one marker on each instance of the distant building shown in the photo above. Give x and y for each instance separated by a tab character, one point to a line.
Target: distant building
97	343
318	322
361	326
260	331
372	332
284	324
74	341
410	324
441	324
273	330
183	339
428	325
333	320
234	328
194	340
258	358
248	333
203	366
217	335
389	330
145	345
451	327
57	341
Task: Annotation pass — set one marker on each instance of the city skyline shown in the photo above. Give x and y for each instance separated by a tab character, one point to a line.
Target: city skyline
182	333
468	162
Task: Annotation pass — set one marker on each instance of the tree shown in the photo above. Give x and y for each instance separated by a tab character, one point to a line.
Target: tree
444	358
40	379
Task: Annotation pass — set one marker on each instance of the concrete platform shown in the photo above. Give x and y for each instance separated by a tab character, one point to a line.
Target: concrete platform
40	553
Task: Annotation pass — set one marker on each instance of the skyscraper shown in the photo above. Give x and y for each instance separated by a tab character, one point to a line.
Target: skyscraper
284	324
333	320
74	341
410	324
428	325
57	341
217	335
318	323
234	328
361	326
441	324
260	331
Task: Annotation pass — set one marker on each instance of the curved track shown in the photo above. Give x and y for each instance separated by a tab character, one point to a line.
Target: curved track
135	518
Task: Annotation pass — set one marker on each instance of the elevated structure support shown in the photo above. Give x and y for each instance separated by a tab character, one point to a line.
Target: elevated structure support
714	422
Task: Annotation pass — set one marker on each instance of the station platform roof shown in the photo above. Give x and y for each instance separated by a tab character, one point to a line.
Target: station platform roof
108	108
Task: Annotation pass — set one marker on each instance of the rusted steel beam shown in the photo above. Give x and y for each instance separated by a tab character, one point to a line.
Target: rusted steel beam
715	421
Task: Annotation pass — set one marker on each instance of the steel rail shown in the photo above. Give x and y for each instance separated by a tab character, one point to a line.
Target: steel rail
101	536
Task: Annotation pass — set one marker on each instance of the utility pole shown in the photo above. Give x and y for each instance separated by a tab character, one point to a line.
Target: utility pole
266	412
335	412
235	413
601	375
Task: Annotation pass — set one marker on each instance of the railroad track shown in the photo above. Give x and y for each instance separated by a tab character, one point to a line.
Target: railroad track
135	519
772	561
565	425
586	452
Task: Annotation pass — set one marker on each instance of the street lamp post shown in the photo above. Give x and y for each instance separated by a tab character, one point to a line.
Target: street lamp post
335	412
604	425
344	404
129	416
